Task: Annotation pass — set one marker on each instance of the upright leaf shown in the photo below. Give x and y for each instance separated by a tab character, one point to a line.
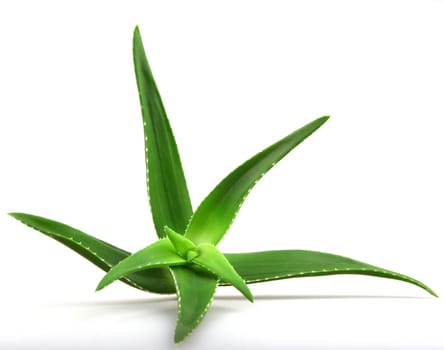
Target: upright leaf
215	214
100	253
195	291
279	264
168	192
183	246
167	189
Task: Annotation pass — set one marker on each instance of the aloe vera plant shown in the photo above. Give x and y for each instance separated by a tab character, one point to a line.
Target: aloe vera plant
185	259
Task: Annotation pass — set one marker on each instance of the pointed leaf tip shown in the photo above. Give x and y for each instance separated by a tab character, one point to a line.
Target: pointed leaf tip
99	252
212	260
279	264
168	193
218	210
158	254
195	291
182	245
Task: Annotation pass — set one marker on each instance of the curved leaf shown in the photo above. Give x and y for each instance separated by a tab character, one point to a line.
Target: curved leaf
159	254
215	262
215	214
183	246
167	188
100	253
195	291
279	264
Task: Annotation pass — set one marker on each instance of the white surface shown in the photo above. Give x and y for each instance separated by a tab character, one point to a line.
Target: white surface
234	77
286	322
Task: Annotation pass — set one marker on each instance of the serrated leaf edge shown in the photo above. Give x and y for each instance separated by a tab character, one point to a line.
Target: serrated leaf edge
179	308
151	265
70	238
347	270
322	119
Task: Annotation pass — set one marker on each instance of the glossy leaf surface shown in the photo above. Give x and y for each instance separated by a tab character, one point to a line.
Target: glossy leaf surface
167	189
215	214
159	254
195	291
279	264
169	198
168	193
215	262
182	245
100	253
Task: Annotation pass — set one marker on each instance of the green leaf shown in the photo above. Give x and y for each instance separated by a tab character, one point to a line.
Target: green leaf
159	254
167	189
216	213
279	264
100	253
184	247
195	291
215	262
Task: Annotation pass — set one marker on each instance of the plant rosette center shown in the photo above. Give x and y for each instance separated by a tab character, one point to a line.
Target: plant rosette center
177	250
208	257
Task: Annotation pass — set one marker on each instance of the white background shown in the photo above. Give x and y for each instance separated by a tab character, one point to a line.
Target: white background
234	77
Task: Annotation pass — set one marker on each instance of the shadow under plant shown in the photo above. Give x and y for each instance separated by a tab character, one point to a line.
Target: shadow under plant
185	259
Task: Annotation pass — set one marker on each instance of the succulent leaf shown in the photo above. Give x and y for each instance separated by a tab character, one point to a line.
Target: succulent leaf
184	247
167	188
100	253
195	291
215	214
279	264
159	254
211	259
